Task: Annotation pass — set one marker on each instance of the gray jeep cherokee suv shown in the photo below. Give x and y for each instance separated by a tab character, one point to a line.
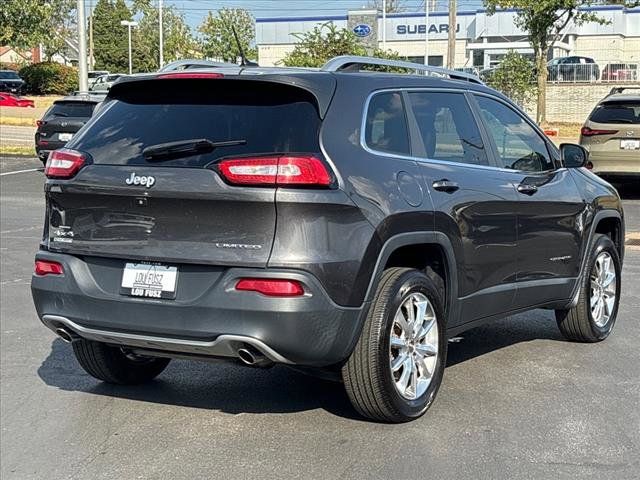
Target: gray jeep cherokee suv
340	219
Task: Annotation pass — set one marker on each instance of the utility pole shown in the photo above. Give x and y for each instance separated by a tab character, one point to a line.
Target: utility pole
451	47
161	33
83	83
128	24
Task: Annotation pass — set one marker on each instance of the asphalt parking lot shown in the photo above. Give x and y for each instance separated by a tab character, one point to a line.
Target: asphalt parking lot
517	401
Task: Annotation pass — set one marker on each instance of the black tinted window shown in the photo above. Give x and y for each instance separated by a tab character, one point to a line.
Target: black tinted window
618	112
270	118
71	109
447	127
519	146
386	129
9	75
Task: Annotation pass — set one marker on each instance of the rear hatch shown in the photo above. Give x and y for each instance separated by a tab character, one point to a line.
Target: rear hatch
178	208
613	130
62	121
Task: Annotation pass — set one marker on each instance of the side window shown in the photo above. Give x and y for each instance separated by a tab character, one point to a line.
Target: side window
386	124
447	127
519	146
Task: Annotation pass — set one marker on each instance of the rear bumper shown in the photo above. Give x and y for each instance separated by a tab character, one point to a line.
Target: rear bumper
207	318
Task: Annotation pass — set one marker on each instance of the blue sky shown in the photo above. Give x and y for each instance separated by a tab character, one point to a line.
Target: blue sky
196	10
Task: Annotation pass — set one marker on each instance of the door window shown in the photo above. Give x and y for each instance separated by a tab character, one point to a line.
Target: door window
447	127
386	124
518	144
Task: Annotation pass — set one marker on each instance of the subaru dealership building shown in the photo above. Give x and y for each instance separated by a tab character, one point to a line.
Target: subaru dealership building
481	39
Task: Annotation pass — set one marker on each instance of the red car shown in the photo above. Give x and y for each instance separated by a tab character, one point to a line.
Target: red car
11	100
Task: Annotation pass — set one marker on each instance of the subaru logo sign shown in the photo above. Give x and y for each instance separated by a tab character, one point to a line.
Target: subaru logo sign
362	30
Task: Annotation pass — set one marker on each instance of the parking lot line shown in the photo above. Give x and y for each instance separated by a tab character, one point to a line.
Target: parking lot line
21	171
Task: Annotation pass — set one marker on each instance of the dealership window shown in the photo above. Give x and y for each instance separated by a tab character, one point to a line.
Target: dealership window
386	124
434	60
447	127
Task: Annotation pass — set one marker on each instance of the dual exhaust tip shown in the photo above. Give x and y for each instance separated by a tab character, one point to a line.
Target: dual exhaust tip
248	355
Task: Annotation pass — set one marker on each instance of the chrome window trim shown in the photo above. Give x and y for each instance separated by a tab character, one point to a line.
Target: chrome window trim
363	125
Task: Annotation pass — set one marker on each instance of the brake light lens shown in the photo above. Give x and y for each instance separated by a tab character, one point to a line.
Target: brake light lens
39	123
64	163
271	287
46	267
285	170
588	132
183	75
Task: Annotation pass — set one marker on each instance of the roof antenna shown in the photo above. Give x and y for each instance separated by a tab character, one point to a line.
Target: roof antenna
243	59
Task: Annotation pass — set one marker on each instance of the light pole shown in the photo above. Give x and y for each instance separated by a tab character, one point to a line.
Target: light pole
426	32
129	24
83	83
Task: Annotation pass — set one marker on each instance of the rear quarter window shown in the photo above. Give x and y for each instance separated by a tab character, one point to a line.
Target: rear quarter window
386	124
617	112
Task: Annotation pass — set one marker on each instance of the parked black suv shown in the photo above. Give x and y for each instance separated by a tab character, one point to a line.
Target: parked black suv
11	82
61	121
342	220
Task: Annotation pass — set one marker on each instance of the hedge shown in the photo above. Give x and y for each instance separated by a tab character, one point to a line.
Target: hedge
49	78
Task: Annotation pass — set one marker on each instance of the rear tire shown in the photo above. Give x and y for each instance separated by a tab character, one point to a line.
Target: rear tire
594	316
112	365
396	368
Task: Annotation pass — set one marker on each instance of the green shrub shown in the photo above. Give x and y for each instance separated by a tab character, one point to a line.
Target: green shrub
49	78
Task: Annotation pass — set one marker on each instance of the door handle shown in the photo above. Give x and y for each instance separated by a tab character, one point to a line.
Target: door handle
445	185
527	189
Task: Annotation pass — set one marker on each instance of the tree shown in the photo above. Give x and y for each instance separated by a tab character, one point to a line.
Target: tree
218	40
326	41
110	40
545	21
178	41
514	77
29	23
393	6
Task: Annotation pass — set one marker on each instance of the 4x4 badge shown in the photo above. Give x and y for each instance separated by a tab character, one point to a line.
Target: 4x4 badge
145	181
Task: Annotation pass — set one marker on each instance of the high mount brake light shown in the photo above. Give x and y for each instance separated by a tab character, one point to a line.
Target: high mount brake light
284	170
183	75
47	267
271	287
588	132
64	163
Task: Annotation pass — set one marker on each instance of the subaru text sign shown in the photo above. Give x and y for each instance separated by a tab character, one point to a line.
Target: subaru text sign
409	27
362	30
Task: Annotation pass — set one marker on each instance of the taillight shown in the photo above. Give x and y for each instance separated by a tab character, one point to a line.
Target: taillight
182	74
285	170
272	287
588	132
64	163
40	123
47	267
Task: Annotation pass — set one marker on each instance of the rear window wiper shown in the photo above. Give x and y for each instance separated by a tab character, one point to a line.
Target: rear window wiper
185	148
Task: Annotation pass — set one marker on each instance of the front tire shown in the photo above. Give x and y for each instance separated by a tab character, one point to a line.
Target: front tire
396	368
593	317
114	365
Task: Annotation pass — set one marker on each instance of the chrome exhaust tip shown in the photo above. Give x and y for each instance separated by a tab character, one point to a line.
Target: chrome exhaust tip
252	357
65	335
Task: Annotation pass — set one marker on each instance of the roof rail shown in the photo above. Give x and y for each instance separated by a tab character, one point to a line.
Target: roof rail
615	90
349	63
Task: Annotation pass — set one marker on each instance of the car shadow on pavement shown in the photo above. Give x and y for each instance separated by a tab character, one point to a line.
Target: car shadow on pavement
233	388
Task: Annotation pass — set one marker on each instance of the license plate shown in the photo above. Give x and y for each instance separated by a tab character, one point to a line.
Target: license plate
65	137
627	144
149	280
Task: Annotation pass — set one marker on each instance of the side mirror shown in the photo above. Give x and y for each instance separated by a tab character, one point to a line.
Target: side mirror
573	156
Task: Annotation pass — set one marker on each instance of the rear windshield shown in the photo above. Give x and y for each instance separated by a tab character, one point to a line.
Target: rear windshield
269	118
617	112
71	109
9	75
